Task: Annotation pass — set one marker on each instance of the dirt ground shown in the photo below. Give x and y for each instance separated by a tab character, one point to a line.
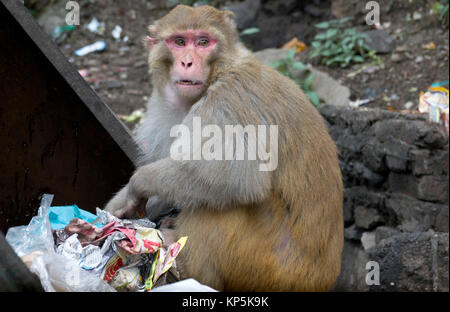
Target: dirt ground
119	74
412	67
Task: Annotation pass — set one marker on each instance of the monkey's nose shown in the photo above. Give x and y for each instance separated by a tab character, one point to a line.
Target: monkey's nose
186	64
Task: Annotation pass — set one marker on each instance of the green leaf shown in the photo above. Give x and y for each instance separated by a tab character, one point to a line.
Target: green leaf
277	64
331	32
346	40
291	53
320	36
313	97
358	59
250	31
330	62
308	80
299	66
316	44
344	20
314	54
328	44
323	25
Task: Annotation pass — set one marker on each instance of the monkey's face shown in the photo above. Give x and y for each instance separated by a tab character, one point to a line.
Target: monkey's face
191	56
185	46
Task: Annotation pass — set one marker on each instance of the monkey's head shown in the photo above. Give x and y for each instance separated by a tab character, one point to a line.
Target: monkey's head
185	48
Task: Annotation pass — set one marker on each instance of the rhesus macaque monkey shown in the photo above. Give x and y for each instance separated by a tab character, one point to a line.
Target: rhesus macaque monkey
248	229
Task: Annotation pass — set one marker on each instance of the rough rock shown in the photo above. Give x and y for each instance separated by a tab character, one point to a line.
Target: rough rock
329	89
52	16
353	269
353	233
245	13
413	262
427	188
397	154
367	218
395	172
383	232
380	41
280	7
368	240
417	216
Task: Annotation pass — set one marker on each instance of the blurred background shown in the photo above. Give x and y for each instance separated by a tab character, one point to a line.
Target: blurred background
407	49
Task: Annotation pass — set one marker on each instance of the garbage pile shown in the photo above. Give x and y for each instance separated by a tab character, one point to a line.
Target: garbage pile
435	103
71	249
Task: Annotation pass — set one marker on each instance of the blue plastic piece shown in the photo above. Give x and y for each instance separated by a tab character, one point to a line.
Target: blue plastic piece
60	216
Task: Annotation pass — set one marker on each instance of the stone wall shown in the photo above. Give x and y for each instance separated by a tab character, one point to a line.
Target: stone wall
396	200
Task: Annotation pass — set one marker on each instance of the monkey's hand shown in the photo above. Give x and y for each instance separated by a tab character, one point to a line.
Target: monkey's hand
126	203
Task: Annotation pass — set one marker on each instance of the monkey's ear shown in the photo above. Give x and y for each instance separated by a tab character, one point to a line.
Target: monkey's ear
229	17
228	14
150	42
152	29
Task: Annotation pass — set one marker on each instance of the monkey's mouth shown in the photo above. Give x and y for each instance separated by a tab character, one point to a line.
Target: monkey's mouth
185	82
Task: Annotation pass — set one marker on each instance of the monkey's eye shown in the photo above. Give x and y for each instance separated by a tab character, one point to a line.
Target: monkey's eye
203	42
180	42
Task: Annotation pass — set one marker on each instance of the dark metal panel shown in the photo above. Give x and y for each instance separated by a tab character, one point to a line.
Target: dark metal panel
14	275
54	56
56	135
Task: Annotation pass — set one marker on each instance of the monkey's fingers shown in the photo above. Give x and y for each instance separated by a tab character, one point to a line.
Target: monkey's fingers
132	210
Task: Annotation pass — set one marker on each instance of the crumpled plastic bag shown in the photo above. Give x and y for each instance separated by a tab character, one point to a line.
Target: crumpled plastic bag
58	273
35	244
37	235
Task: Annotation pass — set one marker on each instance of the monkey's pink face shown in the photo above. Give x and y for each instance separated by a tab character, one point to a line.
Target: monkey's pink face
190	69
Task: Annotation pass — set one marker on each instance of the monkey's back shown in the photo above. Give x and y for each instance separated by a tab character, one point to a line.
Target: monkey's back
293	240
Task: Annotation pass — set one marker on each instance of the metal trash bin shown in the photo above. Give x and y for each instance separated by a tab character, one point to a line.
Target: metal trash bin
56	135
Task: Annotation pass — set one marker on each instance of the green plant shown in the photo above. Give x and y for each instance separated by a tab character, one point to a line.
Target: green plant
341	46
441	8
287	64
249	31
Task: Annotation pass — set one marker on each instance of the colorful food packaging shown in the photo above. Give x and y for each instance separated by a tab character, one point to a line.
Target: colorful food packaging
435	103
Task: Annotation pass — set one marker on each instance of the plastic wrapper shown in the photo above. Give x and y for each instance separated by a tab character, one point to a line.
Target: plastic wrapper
165	260
60	216
435	103
58	273
37	235
96	27
127	279
96	46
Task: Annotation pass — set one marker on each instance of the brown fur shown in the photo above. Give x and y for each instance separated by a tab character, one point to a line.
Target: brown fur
248	230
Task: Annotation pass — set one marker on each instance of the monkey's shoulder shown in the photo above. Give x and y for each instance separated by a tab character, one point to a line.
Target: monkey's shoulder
249	83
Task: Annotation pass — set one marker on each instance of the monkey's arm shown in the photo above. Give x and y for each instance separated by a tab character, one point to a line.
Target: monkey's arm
190	183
